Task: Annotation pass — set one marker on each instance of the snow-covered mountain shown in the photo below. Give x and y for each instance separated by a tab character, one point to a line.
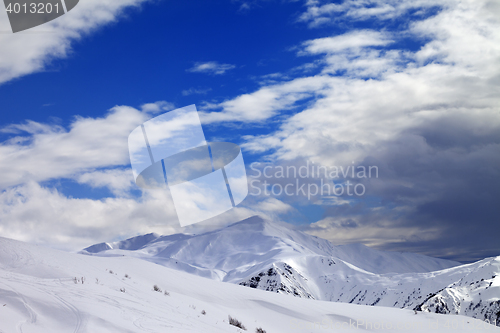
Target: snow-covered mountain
48	291
275	257
248	246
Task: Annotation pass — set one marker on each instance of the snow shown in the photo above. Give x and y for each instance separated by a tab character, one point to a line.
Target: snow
41	290
276	257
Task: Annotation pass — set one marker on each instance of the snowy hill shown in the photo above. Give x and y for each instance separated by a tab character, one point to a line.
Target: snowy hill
44	290
276	257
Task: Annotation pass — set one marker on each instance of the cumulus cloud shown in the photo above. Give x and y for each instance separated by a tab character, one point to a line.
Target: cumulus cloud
31	50
211	67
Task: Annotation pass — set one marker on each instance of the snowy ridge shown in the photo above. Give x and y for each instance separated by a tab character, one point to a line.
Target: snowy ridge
129	244
255	243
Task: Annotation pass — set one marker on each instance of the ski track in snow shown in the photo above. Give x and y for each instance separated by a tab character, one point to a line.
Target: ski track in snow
71	310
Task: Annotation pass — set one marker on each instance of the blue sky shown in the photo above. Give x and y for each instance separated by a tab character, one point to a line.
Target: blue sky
145	56
408	86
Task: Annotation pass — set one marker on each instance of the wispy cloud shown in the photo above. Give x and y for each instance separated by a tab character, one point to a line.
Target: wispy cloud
319	14
211	67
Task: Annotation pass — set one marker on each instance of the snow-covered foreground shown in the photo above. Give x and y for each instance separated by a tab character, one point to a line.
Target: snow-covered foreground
41	290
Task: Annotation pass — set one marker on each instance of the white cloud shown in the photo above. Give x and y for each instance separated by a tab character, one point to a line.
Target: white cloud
274	206
118	181
40	215
160	106
351	40
319	14
267	101
42	152
211	67
355	54
31	50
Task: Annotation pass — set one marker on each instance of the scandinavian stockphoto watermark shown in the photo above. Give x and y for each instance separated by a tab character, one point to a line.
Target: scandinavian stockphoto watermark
310	180
26	14
169	152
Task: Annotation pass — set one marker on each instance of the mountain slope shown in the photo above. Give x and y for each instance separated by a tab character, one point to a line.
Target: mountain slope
44	290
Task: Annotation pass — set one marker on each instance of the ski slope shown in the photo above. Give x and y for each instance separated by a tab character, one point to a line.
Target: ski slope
41	290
